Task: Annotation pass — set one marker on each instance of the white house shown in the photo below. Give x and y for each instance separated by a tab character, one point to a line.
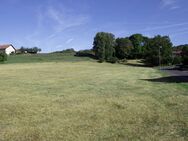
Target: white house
8	49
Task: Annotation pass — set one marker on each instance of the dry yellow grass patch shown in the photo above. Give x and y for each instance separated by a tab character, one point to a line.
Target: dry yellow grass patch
89	101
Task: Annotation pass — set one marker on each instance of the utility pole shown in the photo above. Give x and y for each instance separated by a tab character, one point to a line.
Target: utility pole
160	47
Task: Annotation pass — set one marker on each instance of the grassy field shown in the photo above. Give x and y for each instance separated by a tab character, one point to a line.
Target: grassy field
89	101
40	58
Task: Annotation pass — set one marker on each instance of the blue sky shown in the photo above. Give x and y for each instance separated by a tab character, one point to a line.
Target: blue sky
60	24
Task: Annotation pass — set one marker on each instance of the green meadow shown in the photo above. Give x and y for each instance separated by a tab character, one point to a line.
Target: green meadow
66	98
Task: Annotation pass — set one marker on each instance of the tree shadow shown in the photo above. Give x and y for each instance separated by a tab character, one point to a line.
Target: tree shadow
170	79
139	63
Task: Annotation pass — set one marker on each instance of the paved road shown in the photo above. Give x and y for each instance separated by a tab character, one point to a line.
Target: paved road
176	74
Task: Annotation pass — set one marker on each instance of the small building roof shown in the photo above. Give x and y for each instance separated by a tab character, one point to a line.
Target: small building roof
3	47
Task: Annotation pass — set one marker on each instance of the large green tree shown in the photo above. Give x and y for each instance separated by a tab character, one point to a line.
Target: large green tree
139	42
103	45
123	48
159	50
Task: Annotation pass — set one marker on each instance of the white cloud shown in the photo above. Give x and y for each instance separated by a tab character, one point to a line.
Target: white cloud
12	1
69	41
168	2
52	23
171	4
174	7
165	26
65	19
180	32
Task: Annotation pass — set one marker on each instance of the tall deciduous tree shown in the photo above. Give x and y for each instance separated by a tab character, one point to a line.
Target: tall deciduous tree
103	45
138	41
123	47
159	50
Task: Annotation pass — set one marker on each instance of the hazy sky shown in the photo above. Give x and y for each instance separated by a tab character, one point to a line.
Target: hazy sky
60	24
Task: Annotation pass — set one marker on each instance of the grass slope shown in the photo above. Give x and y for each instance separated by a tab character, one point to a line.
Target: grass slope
85	100
48	57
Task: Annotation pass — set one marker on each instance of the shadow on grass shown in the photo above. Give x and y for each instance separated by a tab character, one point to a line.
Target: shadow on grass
140	63
170	79
137	65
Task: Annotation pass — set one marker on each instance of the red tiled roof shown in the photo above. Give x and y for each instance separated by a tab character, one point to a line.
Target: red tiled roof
5	46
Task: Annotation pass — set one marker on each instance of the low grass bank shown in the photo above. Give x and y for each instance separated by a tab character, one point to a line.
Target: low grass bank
88	101
48	57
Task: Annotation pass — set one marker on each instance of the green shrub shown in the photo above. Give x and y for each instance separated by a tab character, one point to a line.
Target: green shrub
185	60
152	60
101	60
177	60
85	53
3	57
112	60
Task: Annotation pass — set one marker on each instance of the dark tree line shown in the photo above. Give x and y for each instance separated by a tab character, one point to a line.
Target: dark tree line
154	50
181	54
33	50
185	54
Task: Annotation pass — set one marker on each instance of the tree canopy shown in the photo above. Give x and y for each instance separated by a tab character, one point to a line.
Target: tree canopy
123	48
159	45
155	51
103	45
138	41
